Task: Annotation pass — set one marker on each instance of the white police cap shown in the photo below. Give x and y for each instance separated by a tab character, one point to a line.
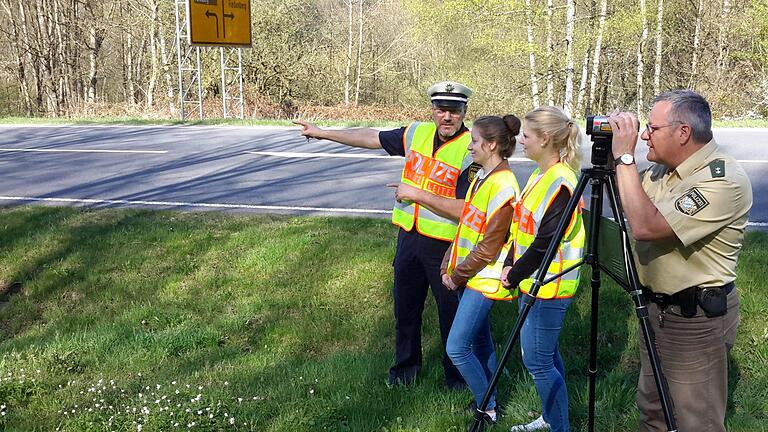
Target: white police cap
449	93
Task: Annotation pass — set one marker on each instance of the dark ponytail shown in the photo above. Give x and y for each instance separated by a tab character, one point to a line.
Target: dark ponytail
500	130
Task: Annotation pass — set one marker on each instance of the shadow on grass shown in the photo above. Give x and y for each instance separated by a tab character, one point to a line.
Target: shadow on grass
295	313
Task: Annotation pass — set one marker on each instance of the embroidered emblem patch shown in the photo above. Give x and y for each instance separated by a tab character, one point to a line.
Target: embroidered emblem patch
472	171
691	202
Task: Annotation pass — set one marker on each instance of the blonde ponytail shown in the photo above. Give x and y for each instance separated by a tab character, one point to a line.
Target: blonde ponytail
571	152
564	133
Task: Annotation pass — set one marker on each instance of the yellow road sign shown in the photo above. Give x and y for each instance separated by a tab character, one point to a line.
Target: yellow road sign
219	22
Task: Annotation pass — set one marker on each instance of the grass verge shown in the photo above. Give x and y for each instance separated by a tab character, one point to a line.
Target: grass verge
139	320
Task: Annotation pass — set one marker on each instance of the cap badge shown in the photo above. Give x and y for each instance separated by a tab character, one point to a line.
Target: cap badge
449	87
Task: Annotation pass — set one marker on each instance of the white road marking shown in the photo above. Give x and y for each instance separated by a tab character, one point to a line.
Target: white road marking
194	204
82	151
323	155
298	155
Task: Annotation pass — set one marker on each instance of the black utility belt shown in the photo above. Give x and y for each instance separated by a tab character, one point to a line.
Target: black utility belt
712	300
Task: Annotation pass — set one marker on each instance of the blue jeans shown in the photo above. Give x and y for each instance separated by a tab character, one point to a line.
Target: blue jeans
470	346
539	344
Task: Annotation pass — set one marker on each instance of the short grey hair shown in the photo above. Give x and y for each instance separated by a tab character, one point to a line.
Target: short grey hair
691	108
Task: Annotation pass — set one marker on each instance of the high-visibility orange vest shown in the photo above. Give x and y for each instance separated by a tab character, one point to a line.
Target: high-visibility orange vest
498	189
538	194
436	173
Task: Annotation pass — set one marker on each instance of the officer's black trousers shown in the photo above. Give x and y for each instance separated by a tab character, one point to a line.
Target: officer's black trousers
417	268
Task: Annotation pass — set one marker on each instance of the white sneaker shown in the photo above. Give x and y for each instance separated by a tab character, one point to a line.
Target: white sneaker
538	424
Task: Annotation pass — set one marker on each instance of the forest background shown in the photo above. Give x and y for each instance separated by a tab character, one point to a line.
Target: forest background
372	59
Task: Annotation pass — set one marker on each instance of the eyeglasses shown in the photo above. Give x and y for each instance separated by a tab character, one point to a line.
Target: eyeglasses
651	129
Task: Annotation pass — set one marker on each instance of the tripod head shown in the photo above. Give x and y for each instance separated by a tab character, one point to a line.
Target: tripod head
600	132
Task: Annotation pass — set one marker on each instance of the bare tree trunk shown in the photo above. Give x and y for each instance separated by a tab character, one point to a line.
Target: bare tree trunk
45	42
150	96
531	55
550	85
359	52
596	56
659	37
20	67
33	61
570	17
170	93
347	83
129	66
640	64
696	41
95	39
722	47
583	81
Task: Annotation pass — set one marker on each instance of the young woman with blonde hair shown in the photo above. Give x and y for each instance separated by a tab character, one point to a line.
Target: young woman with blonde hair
552	140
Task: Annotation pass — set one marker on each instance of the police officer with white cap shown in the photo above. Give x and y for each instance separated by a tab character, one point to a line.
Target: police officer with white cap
429	200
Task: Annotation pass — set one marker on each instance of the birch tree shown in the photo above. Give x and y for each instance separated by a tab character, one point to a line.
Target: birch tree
659	37
721	38
550	49
569	23
696	41
596	55
347	83
640	64
358	71
531	55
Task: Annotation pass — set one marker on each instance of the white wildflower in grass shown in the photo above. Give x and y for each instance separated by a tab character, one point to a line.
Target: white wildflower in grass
231	420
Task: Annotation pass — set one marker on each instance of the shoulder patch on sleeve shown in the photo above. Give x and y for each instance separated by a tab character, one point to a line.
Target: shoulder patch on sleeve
691	202
717	168
472	171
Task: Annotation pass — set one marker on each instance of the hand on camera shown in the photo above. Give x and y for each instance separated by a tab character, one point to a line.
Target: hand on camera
625	128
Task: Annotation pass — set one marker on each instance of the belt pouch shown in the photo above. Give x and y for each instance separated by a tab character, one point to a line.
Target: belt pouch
687	301
713	301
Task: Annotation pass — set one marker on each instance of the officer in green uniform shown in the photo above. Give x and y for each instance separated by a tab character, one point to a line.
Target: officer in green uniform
687	213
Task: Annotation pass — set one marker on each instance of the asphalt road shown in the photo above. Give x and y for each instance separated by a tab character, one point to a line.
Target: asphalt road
241	169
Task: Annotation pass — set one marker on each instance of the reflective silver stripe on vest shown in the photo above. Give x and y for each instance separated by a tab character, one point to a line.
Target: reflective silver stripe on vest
538	215
500	198
409	135
406	207
571	253
466	162
464	244
426	214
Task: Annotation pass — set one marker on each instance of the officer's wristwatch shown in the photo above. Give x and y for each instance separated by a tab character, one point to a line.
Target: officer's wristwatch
625	159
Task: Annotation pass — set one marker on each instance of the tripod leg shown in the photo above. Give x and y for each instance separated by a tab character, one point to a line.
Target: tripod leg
530	298
591	257
640	308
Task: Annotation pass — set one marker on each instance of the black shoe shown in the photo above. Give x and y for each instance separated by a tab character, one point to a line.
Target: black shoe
485	422
487	419
400	381
472	408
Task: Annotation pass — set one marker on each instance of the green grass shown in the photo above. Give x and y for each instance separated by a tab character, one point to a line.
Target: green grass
128	317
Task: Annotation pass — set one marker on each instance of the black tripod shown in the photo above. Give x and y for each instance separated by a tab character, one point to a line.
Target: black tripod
599	176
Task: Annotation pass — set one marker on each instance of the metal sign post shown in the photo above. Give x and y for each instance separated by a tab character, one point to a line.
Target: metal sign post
188	61
227	25
235	72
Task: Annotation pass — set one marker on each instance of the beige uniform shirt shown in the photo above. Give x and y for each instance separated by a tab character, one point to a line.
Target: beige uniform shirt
706	201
